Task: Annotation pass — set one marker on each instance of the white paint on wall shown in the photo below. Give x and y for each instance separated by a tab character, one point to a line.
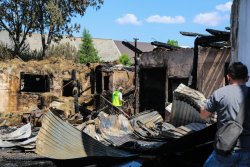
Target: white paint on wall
244	34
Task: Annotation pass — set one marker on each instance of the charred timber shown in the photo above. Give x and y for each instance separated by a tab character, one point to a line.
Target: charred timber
192	34
217	45
161	44
217	32
132	47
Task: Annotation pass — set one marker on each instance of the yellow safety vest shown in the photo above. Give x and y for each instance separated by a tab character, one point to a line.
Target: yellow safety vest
116	99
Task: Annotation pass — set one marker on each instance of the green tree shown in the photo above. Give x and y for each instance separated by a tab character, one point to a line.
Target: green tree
55	18
125	60
88	53
172	42
23	17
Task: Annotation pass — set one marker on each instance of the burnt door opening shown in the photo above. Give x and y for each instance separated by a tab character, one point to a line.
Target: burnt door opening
98	76
173	83
106	82
34	83
67	88
152	89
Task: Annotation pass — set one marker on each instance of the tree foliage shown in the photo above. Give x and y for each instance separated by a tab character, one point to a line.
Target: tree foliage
18	18
172	42
88	53
65	50
53	17
125	60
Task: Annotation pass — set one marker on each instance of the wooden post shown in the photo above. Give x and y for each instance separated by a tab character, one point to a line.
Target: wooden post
137	83
75	91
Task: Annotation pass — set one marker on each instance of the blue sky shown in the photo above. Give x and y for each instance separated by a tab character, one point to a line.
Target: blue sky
151	20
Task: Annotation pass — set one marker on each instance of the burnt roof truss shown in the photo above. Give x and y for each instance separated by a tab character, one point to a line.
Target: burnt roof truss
217	39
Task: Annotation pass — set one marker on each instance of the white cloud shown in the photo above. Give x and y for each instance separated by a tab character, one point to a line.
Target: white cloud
210	19
166	19
128	19
224	7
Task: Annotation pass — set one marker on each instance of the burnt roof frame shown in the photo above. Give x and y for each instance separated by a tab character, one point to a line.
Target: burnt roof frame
204	40
165	45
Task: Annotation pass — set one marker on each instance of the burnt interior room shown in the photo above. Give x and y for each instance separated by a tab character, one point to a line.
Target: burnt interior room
34	83
152	89
106	82
98	77
68	86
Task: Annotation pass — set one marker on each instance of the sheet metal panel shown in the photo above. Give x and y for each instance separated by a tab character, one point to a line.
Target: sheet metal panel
59	140
185	106
21	133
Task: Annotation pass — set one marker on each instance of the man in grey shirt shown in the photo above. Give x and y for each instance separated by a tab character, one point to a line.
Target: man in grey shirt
226	102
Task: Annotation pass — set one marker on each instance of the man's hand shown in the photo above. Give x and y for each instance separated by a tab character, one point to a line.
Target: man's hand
204	113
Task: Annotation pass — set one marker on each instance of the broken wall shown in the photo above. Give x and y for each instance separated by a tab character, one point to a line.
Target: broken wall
109	78
212	65
124	79
8	91
178	64
161	71
15	99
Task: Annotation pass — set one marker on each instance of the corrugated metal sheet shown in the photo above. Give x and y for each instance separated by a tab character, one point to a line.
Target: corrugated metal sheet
147	117
114	125
144	123
21	133
59	140
185	106
27	143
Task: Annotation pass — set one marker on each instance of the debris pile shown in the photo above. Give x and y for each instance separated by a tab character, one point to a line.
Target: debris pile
109	134
22	138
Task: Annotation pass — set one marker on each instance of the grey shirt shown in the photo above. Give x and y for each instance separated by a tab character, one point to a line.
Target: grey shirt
226	101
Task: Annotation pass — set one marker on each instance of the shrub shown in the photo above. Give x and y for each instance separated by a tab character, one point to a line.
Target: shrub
125	60
63	50
5	52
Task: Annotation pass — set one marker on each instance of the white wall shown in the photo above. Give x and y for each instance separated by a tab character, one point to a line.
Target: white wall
244	34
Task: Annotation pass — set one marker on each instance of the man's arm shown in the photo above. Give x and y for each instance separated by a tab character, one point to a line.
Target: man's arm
204	113
120	97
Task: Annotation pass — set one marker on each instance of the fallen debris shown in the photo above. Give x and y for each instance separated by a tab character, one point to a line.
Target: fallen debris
60	140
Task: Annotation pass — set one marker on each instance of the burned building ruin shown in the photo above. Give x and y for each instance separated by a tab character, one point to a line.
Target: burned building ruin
23	83
163	69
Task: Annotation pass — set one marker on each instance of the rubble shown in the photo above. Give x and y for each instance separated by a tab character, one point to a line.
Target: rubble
98	130
59	140
112	134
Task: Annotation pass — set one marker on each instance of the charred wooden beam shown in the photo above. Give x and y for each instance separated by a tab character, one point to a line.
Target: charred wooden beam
137	59
217	45
132	47
217	32
161	44
75	90
192	34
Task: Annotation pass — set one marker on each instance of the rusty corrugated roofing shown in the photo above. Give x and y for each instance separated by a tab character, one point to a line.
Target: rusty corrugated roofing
59	140
185	106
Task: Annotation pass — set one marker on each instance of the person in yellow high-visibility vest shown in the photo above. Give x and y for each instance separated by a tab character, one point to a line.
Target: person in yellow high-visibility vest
117	99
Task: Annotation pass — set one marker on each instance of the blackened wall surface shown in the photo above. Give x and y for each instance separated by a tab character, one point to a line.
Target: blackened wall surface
178	66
